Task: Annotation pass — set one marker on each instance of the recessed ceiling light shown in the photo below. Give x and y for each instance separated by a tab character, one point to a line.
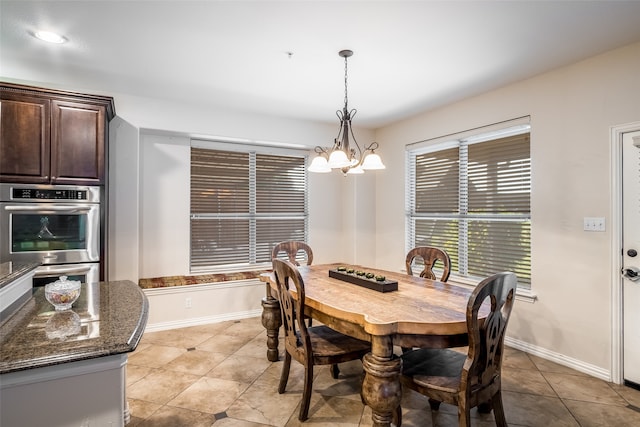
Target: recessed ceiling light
50	37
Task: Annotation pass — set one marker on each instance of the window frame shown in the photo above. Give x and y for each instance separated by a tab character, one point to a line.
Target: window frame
253	216
475	136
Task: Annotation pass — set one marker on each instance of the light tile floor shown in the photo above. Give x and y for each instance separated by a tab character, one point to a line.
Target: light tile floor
219	375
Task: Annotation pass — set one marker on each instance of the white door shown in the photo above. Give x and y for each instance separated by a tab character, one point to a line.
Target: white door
631	255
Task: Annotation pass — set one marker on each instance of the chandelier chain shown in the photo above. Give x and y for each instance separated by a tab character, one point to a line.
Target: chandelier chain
345	83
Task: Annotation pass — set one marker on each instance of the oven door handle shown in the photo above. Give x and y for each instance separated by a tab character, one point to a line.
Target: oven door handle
43	209
57	269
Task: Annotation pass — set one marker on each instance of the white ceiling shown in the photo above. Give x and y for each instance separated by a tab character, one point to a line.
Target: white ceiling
409	56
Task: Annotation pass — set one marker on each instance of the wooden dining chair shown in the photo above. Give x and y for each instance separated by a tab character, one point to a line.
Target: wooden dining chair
471	379
310	346
430	256
291	248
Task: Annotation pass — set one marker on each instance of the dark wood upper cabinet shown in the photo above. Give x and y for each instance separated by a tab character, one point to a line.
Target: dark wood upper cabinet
24	138
77	142
53	137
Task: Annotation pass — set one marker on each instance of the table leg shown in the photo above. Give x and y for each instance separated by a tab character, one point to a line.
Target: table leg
381	388
272	321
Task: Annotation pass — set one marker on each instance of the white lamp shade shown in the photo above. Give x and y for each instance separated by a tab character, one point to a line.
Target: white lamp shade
319	165
372	161
355	171
338	159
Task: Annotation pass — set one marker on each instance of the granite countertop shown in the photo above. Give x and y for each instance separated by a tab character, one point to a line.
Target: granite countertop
10	271
108	318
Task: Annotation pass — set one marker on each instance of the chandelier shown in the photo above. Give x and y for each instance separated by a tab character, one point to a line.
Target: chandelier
350	160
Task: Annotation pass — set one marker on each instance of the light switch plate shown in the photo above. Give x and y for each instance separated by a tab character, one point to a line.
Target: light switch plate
594	224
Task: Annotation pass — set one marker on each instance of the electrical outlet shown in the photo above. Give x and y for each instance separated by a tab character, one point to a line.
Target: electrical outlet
187	302
594	224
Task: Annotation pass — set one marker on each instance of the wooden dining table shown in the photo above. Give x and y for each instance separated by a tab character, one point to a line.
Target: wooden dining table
420	313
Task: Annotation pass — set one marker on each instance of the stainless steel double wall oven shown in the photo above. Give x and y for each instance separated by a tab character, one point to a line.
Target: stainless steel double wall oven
55	225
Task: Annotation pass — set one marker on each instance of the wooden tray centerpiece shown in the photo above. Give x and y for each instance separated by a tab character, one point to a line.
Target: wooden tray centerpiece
364	279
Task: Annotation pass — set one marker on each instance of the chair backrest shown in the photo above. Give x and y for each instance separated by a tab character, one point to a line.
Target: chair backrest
291	248
296	337
486	338
430	255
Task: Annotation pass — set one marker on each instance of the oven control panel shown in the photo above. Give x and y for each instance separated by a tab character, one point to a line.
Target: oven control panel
37	193
47	194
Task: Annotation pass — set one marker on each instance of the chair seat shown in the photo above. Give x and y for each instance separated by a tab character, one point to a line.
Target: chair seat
330	344
438	369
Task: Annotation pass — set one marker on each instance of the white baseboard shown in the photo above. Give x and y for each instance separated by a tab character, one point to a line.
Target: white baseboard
163	326
560	359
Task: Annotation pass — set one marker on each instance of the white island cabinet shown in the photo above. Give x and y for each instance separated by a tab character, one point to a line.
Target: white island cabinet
85	393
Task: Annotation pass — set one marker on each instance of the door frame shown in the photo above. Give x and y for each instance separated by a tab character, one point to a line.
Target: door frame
617	353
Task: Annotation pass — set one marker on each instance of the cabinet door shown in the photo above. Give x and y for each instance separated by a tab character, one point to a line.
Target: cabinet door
24	138
77	143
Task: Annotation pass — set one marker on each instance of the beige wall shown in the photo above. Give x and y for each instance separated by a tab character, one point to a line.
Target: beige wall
572	110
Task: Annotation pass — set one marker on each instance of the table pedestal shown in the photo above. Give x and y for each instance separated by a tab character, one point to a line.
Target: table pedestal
271	320
381	389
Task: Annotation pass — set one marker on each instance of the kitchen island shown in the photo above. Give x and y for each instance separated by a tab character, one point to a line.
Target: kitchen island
60	368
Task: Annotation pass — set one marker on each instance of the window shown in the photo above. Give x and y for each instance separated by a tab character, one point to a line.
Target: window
242	204
470	195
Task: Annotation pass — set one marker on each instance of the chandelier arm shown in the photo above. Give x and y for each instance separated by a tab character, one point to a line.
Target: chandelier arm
320	150
355	141
338	139
371	147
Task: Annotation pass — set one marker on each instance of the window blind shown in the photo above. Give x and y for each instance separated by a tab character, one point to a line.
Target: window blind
472	198
242	204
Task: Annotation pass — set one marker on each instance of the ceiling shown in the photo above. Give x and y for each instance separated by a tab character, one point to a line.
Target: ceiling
281	57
